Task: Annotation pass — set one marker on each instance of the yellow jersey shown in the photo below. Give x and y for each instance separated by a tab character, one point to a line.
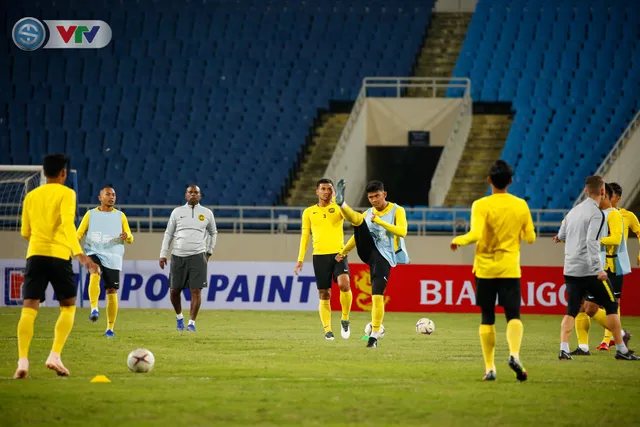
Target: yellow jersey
630	223
48	216
498	222
324	224
613	240
399	228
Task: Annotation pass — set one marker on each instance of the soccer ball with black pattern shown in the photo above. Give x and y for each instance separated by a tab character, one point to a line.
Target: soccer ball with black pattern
141	361
425	326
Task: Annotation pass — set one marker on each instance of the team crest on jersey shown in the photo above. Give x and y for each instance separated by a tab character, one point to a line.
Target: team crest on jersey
201	217
331	210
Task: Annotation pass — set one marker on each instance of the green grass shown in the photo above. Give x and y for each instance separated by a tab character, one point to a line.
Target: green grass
275	368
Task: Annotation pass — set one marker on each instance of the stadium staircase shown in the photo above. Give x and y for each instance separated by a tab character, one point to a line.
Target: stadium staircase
441	48
484	146
316	158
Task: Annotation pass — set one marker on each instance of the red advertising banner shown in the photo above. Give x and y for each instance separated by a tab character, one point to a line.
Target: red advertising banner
451	289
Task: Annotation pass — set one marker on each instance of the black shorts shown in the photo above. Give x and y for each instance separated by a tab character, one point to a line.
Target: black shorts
616	285
327	269
110	277
188	272
579	288
507	290
368	252
42	270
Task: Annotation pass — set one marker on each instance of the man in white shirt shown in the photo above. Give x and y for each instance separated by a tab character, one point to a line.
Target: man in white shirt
192	229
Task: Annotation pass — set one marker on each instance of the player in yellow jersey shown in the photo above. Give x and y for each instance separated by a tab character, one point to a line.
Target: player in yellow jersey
48	224
630	220
108	230
379	237
498	222
324	223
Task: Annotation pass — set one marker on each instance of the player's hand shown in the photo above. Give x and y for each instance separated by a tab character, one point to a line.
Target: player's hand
556	239
207	256
638	260
88	263
163	262
453	247
124	236
602	276
339	257
298	268
373	217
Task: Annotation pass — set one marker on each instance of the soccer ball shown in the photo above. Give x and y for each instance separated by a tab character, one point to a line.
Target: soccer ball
368	329
425	326
141	360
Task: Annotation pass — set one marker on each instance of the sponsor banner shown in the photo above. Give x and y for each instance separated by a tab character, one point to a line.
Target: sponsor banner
273	286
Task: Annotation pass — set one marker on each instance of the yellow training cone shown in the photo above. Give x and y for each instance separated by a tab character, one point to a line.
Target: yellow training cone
100	379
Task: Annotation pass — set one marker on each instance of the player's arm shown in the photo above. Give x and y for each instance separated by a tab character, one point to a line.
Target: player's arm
351	243
634	226
528	233
304	239
399	228
126	230
67	216
562	233
478	216
212	229
593	243
25	227
614	221
84	226
167	239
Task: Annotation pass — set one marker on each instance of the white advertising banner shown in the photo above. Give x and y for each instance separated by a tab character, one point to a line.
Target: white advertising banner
232	285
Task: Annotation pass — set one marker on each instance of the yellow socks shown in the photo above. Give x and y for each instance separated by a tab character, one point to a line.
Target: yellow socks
515	330
325	314
25	331
350	215
94	290
63	327
601	318
583	324
346	298
377	312
488	341
112	310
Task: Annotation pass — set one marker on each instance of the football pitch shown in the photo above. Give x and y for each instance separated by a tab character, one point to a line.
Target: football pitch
275	368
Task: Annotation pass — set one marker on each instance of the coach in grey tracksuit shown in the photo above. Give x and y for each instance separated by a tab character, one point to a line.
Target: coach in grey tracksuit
192	229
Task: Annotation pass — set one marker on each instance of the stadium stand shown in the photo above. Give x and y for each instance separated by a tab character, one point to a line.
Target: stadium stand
221	93
571	70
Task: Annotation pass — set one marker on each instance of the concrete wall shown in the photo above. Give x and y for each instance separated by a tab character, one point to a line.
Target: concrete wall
390	119
284	247
455	5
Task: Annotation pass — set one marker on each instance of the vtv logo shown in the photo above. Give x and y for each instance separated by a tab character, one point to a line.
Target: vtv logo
76	32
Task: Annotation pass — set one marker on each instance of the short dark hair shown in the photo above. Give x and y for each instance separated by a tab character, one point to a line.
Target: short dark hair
608	190
324	181
53	165
617	190
374	186
500	174
594	184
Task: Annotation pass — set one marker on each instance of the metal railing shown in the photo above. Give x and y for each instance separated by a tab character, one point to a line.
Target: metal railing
615	151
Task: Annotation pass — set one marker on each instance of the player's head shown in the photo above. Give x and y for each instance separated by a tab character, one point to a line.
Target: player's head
55	167
594	187
107	196
605	203
193	195
324	190
376	194
500	175
617	194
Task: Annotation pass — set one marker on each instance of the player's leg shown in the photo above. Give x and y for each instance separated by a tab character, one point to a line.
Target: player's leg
35	283
177	282
63	281
197	277
341	273
576	290
347	213
583	324
94	290
111	280
509	297
323	270
617	282
486	293
603	294
380	271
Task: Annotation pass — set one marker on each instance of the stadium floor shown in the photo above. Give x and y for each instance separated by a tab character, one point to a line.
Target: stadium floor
275	368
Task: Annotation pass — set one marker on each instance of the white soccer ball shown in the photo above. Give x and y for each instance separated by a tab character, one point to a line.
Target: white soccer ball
141	360
368	329
425	326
